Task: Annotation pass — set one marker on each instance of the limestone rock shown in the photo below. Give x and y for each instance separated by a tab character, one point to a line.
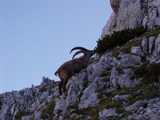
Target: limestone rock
128	60
131	14
155	116
110	26
106	113
84	87
114	77
115	4
120	97
60	104
140	117
137	50
145	45
157	44
134	108
151	44
123	80
75	88
27	117
89	97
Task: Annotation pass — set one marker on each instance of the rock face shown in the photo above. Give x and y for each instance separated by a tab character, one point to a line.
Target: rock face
114	84
104	114
131	14
145	110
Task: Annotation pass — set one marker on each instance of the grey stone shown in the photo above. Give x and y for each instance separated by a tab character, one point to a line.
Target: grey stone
151	44
35	105
37	115
158	49
115	4
110	25
46	81
96	69
145	45
128	60
149	111
105	113
44	95
120	97
60	104
137	50
141	117
122	80
155	116
157	42
114	77
135	107
27	117
141	108
89	97
125	81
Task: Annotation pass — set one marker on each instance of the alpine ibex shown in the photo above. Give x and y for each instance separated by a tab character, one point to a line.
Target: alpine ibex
70	68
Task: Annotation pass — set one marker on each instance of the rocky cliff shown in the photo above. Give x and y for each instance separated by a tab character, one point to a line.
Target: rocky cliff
122	83
131	14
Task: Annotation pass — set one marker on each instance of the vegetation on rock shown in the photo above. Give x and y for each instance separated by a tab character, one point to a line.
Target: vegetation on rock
118	38
148	88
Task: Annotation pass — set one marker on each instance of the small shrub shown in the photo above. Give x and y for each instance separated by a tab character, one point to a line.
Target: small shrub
104	73
66	117
91	111
150	73
85	83
120	70
43	113
102	100
59	111
153	32
43	89
48	111
119	111
108	68
110	105
100	95
122	116
118	58
0	105
19	115
101	89
75	106
105	79
118	38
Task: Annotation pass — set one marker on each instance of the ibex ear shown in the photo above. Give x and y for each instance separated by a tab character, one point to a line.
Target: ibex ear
78	52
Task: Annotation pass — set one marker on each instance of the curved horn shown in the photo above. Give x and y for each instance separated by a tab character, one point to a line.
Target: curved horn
78	52
81	48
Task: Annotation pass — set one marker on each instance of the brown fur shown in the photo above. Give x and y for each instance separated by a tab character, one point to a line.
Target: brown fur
70	68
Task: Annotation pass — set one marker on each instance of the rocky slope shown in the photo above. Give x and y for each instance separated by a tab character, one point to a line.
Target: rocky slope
122	83
113	86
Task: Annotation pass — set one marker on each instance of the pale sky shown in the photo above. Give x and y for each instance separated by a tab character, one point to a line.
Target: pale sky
36	37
